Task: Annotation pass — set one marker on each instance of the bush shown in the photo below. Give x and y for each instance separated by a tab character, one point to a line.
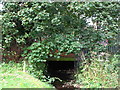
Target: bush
100	73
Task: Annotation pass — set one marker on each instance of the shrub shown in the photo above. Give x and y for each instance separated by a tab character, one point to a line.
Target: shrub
100	73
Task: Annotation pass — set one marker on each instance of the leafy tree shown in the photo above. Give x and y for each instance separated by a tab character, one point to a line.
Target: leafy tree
59	26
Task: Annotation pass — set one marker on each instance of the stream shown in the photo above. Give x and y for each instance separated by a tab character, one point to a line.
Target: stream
65	71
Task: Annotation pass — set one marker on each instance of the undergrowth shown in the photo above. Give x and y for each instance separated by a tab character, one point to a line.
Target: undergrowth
100	73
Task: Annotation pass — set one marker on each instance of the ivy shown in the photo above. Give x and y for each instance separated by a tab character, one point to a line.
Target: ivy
59	26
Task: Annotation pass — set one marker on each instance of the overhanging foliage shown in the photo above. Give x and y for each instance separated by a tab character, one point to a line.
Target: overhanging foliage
60	26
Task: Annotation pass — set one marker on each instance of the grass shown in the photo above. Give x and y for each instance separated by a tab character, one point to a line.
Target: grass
12	77
62	59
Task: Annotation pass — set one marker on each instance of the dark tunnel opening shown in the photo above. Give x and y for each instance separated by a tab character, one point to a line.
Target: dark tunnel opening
64	70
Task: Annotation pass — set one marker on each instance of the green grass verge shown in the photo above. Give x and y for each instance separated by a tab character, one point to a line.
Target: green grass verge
12	77
62	59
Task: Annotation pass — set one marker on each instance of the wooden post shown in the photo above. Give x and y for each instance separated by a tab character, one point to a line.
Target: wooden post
24	66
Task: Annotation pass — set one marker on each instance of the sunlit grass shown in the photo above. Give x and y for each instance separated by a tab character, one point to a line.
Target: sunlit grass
12	77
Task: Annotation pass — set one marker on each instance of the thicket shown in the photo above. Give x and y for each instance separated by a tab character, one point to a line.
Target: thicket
43	28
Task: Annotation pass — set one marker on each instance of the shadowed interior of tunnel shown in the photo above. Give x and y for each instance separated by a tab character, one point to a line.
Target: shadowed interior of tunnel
64	70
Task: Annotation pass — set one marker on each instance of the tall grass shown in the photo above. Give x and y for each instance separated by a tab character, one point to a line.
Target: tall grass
100	73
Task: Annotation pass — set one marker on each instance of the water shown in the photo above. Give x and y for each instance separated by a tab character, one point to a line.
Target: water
64	70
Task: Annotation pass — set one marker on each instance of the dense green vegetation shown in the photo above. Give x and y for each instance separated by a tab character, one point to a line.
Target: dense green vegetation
47	30
59	26
101	73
